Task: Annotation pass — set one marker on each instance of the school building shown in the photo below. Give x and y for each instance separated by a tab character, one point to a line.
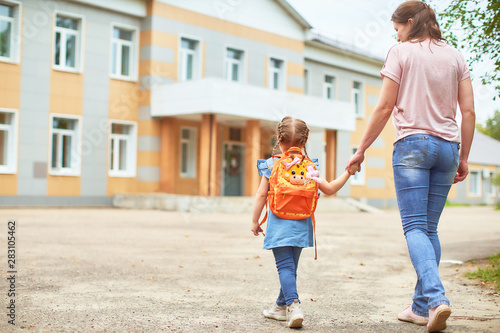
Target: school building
99	98
484	165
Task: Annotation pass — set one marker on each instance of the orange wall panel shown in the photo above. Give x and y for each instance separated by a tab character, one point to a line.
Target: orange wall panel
8	184
66	93
10	86
63	186
148	158
120	185
124	100
294	68
159	38
158	68
148	187
149	128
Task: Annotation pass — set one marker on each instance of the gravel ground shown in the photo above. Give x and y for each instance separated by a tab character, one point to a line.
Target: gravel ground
113	270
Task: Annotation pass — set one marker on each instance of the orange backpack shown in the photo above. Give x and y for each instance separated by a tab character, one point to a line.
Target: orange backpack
293	193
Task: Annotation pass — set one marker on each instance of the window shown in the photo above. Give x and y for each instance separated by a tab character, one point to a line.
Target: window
122	149
357	99
329	87
492	190
475	183
9	31
8	141
276	74
123	52
189	59
67	48
65	146
359	177
234	65
188	152
306	82
234	134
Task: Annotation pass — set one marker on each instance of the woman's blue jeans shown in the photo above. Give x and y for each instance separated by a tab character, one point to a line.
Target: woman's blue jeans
424	169
287	261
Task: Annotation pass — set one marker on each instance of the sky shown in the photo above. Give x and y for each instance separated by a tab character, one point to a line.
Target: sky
366	25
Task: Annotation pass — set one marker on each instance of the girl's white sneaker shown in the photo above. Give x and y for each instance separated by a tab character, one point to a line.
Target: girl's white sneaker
294	314
277	312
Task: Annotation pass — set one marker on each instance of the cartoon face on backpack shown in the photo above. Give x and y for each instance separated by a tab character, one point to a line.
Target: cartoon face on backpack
296	175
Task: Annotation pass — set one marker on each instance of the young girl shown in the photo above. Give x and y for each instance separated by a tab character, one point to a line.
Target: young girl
287	237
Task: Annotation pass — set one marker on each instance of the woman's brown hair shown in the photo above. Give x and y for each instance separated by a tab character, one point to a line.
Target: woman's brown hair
292	132
424	20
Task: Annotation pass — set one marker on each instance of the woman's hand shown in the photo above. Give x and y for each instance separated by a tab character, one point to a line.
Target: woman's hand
357	158
462	172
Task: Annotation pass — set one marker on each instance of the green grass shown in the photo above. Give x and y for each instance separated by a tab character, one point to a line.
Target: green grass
453	204
489	274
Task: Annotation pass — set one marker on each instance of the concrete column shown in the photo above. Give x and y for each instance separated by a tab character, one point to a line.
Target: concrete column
331	152
167	150
252	154
208	153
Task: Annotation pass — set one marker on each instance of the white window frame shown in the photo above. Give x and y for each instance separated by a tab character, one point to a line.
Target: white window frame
359	92
134	53
228	62
76	149
493	188
15	33
80	41
359	178
282	82
475	192
131	153
192	147
12	142
183	53
330	85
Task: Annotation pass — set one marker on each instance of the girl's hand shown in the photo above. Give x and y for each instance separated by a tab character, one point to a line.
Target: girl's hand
353	168
256	229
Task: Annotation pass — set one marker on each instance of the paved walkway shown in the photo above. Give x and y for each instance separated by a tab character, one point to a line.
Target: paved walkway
112	270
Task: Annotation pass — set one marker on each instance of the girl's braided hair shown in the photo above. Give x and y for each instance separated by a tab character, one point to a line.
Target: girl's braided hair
292	132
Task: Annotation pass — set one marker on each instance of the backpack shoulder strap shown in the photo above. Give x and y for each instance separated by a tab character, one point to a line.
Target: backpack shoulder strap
264	219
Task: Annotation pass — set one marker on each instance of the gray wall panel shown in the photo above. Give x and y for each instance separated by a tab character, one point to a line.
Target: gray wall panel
35	89
216	42
148	143
148	174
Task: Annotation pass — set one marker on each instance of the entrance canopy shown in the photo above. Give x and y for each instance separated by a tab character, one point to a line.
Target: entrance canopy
222	97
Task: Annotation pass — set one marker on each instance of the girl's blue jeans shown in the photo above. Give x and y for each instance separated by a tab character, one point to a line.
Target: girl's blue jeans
424	169
287	261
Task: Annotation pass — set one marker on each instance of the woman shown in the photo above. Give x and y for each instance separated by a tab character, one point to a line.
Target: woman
423	79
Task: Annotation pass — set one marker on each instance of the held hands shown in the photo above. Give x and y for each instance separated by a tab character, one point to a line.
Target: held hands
353	168
354	163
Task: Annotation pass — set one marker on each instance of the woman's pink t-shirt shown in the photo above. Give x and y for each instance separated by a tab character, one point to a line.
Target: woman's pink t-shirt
428	75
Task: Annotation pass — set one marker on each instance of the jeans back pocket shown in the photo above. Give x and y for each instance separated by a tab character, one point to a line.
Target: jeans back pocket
413	150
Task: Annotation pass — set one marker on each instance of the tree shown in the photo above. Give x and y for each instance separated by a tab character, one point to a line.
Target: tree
474	25
492	126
